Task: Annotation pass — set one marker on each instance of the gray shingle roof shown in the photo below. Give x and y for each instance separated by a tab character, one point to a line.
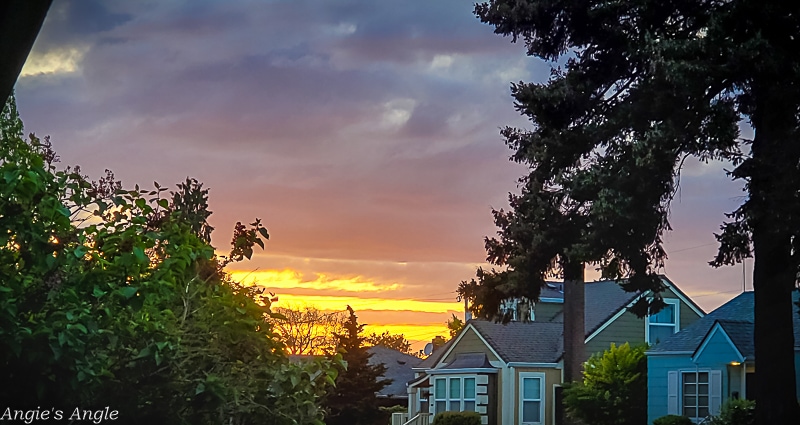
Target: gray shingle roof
551	290
603	300
470	361
538	342
398	369
741	333
736	317
543	342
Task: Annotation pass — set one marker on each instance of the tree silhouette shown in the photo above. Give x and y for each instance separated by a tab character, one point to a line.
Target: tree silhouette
354	399
638	87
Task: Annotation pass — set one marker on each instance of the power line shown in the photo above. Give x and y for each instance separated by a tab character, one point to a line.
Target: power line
716	293
692	247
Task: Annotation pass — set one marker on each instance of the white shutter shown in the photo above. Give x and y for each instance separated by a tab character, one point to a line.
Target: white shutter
715	377
672	393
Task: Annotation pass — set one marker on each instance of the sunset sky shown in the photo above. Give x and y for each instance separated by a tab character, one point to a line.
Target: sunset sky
364	133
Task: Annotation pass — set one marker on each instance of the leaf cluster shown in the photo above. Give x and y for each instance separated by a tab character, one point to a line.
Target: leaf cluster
394	341
114	297
614	388
636	88
457	418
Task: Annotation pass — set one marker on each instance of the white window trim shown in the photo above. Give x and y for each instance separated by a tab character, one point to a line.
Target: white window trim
714	391
542	397
681	384
447	398
676	326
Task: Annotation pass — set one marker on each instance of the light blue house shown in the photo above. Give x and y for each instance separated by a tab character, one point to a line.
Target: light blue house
693	372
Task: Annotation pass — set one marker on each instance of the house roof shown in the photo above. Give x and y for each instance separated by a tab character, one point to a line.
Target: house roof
470	361
543	341
538	342
736	317
604	299
398	369
552	290
432	359
741	334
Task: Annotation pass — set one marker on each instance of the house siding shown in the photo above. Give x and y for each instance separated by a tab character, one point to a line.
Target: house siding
627	328
659	366
545	311
470	343
797	370
686	315
657	369
718	350
552	377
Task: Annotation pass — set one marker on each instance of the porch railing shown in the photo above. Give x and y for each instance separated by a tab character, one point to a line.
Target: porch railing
418	419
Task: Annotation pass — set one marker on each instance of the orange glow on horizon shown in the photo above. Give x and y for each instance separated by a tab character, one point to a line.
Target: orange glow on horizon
340	303
419	321
288	279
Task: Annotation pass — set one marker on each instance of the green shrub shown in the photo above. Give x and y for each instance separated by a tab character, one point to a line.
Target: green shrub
673	420
394	409
737	412
614	388
457	418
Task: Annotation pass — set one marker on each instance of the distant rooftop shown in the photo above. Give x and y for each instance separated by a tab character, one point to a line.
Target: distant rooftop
736	317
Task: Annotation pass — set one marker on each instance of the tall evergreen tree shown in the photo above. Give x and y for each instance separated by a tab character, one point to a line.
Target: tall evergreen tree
354	400
641	86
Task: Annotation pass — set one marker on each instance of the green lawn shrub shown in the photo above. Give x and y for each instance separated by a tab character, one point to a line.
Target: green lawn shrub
613	390
737	412
457	418
673	420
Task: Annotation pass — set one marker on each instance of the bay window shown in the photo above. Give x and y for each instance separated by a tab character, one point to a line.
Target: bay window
455	394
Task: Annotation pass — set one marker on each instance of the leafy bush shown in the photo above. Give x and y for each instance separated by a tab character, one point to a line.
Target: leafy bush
112	297
614	388
394	409
673	420
736	412
457	418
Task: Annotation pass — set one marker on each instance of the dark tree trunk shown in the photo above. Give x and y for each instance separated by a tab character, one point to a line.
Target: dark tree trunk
772	190
20	21
574	327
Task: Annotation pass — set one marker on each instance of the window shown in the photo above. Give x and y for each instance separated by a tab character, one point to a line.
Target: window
664	323
454	394
530	403
696	394
695	388
509	308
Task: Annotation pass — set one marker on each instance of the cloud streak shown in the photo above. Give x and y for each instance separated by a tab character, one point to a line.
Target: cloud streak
364	134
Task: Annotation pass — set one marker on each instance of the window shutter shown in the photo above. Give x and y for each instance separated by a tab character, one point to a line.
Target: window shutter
672	393
716	391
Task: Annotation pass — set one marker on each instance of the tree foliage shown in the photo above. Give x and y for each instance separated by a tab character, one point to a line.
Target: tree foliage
394	341
457	418
614	388
673	420
307	330
454	326
736	412
637	88
114	297
354	399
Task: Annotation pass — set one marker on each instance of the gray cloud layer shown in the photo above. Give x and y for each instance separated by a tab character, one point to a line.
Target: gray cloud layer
356	129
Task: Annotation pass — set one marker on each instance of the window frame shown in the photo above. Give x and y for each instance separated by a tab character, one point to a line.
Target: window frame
521	396
449	400
676	325
681	393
